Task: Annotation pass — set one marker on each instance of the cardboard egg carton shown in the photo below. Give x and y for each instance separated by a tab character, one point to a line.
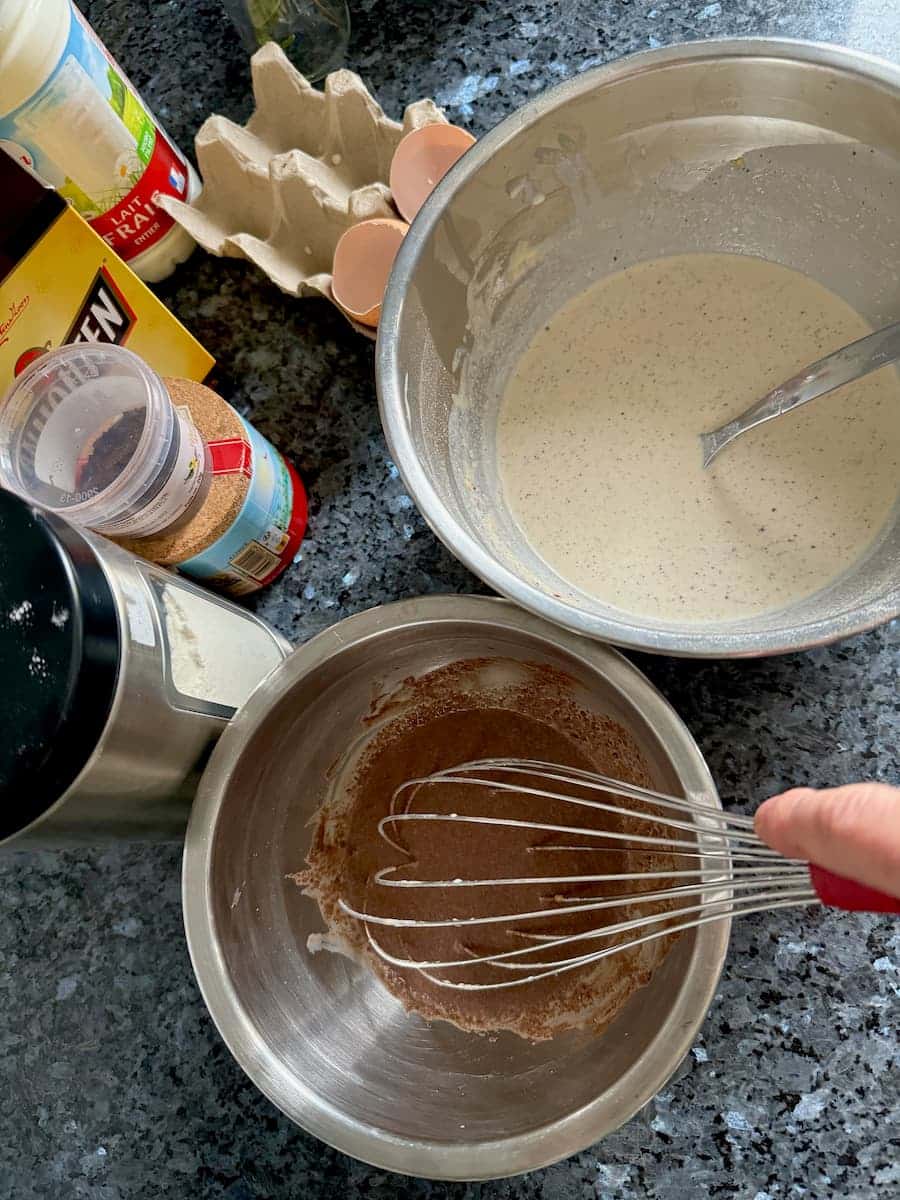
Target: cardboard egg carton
280	190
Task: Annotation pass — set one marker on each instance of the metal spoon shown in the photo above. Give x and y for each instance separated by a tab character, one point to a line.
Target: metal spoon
843	366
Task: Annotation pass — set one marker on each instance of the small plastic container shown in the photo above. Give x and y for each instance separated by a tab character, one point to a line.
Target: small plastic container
90	432
165	467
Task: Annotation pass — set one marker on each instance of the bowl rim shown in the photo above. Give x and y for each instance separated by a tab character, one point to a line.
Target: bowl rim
441	1160
626	632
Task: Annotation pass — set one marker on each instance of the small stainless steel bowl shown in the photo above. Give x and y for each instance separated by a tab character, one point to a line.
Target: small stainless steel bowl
320	1035
629	162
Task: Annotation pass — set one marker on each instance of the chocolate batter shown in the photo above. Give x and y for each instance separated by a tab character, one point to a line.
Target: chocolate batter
455	714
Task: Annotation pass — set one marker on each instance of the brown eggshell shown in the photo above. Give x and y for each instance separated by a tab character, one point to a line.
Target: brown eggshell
362	266
421	161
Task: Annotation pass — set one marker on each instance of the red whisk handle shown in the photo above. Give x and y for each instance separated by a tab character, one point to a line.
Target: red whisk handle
839	892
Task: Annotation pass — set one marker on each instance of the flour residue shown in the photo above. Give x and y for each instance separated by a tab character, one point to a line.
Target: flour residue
20	613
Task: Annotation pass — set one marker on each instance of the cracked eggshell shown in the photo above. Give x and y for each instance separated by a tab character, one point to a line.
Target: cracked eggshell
282	189
362	266
421	161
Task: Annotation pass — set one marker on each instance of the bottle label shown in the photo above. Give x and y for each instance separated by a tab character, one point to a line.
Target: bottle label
266	533
86	131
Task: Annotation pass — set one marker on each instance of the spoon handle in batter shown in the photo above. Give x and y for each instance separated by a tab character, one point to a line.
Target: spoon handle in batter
843	366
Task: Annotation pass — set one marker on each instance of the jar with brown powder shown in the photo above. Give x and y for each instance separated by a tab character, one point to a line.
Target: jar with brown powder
166	468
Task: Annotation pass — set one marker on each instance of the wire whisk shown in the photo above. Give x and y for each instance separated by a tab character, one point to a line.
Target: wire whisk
712	866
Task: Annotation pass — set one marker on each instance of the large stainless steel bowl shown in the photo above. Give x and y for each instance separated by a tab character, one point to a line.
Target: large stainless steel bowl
319	1034
625	163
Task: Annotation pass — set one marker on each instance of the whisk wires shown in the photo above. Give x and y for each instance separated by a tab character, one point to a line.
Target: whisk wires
734	873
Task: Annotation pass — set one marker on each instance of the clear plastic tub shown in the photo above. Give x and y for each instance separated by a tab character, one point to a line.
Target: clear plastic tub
90	432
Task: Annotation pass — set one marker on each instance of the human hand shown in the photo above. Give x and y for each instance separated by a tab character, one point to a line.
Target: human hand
853	831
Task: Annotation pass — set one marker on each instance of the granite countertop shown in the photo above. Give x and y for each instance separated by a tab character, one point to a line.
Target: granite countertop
113	1081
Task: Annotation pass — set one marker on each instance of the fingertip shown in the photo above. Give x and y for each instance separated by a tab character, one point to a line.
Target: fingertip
852	830
773	820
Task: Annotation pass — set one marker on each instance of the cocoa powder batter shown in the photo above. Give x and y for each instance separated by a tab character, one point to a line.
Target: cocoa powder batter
453	715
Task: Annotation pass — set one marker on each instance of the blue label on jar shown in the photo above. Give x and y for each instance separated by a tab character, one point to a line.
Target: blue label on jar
253	549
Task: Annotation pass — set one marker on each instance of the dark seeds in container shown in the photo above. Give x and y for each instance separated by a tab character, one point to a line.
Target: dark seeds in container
110	452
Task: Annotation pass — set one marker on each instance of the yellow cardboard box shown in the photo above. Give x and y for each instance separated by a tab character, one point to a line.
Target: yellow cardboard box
62	283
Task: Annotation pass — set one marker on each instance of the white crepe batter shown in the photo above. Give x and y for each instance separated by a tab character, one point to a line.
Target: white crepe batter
599	451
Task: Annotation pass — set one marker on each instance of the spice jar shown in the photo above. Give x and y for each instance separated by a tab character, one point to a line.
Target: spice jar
167	466
116	677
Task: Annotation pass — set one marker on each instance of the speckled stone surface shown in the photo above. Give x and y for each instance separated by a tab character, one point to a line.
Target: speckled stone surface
113	1080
